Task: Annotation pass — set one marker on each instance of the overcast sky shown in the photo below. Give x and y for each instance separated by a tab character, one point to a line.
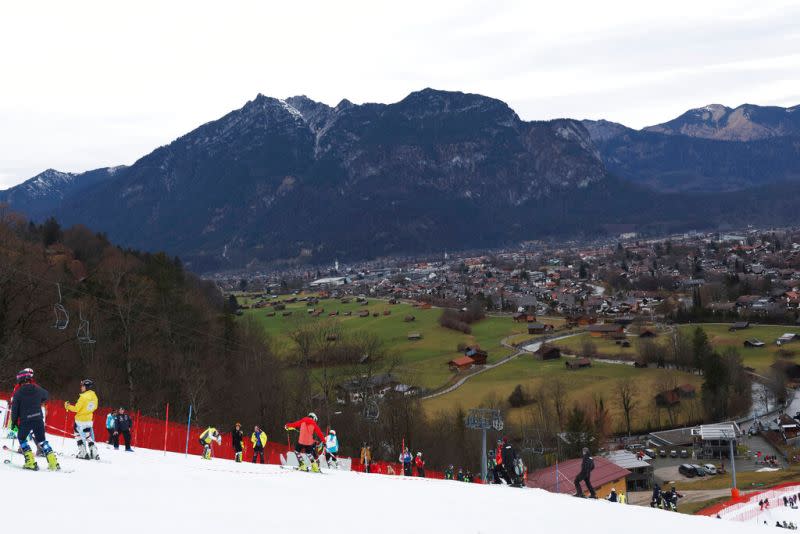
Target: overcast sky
89	84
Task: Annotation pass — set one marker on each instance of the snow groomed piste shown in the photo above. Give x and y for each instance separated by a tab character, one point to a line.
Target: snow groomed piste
153	491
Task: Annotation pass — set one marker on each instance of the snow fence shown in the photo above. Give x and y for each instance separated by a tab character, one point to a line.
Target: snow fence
166	435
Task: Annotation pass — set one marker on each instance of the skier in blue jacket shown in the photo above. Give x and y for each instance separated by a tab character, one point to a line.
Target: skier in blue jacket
110	426
406	459
332	449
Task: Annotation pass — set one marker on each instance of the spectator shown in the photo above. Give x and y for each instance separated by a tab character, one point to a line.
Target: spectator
259	440
123	425
612	497
448	472
419	462
110	426
407	460
237	441
366	457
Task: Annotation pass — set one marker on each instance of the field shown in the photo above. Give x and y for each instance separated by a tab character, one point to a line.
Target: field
424	361
583	386
758	358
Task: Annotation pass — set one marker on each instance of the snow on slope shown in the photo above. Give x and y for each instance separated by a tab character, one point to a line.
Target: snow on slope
147	491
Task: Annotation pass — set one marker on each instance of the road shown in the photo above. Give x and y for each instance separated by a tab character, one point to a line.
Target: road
527	349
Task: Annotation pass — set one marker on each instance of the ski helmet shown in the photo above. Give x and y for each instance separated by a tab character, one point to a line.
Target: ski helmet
26	375
313	416
88	383
332	431
419	454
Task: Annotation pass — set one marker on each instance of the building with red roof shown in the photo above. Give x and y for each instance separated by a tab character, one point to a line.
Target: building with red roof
605	475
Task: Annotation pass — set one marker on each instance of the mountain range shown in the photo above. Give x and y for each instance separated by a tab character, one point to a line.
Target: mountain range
300	181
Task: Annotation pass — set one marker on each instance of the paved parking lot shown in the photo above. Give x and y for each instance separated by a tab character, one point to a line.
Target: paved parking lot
666	469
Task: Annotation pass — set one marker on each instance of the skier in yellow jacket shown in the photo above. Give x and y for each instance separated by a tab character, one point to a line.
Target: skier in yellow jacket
84	426
209	434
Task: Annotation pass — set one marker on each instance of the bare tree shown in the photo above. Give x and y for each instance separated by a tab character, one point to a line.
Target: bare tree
626	397
558	396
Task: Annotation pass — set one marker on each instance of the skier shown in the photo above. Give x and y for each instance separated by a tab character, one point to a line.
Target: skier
655	500
671	499
209	434
587	465
509	459
122	426
407	460
110	426
448	473
419	462
460	475
12	426
26	413
366	457
332	449
237	441
259	441
613	497
84	425
308	427
502	471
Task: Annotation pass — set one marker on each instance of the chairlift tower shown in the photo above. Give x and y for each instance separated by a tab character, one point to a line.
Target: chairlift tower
484	419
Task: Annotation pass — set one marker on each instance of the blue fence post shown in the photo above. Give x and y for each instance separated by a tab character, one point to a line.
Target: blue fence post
188	429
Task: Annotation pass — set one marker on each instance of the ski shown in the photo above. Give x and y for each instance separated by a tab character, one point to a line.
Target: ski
7	448
295	468
62	470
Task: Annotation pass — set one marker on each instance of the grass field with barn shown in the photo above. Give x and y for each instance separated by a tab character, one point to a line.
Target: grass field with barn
422	362
720	336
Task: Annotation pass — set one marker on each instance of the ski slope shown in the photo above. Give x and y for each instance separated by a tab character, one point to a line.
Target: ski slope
148	491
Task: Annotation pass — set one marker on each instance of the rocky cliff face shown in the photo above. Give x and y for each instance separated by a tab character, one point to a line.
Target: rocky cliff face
744	123
295	178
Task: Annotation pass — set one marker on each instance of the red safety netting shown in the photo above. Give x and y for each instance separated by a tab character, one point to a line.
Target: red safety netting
157	434
746	507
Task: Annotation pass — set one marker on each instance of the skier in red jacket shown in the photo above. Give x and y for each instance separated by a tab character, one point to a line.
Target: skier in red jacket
306	443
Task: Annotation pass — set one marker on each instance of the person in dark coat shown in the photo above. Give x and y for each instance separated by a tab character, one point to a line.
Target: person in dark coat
26	414
509	456
587	465
655	500
122	427
612	497
237	440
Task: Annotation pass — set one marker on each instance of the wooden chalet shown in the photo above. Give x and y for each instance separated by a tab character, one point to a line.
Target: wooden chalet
462	363
478	356
578	363
547	352
605	330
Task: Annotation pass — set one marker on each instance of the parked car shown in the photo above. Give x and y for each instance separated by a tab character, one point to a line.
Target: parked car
684	453
662	453
635	447
687	471
650	452
673	454
711	469
699	471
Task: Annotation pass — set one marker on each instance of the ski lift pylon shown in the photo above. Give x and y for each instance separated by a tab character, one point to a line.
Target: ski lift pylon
61	313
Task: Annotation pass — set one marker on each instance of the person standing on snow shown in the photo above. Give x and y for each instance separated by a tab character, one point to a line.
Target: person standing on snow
366	457
259	440
332	449
419	463
509	459
587	465
209	434
110	426
613	497
26	413
122	426
237	441
308	428
407	460
84	424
